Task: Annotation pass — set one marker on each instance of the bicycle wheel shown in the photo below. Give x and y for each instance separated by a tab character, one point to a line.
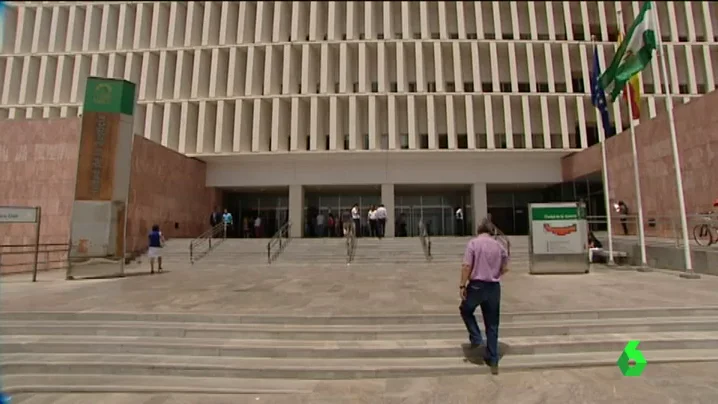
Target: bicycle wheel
702	234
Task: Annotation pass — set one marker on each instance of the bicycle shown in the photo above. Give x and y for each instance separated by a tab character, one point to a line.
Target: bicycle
706	234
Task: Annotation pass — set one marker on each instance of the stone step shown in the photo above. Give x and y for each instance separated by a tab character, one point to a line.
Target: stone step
98	383
317	369
276	332
16	346
203	319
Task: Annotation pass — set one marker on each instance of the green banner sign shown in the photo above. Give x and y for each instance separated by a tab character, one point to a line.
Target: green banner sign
109	95
557	213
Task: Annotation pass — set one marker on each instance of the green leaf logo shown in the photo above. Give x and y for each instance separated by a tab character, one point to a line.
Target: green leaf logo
631	353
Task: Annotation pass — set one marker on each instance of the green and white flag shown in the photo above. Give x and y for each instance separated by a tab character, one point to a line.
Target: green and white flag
634	53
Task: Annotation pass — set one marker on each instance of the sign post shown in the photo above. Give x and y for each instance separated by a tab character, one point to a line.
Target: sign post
16	214
99	212
558	235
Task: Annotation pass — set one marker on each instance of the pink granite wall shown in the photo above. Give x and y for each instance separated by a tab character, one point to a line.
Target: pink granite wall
38	164
697	135
166	188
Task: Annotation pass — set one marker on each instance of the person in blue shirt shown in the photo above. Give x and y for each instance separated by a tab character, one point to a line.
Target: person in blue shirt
228	222
156	241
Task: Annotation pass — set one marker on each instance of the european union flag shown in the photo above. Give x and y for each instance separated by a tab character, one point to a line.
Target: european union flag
598	96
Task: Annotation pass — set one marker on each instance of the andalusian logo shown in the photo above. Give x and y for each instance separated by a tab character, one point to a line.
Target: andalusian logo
103	94
560	231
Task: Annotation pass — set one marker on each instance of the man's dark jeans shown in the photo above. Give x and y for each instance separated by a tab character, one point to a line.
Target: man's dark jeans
486	295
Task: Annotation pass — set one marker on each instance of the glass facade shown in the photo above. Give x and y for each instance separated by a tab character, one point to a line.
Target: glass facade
436	210
272	209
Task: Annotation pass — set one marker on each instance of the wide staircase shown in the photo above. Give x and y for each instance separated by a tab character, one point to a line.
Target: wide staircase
232	354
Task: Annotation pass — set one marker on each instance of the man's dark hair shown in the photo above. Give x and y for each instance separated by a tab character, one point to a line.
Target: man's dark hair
155	227
486	227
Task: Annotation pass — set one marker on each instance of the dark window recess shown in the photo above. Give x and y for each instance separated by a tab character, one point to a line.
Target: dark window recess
500	140
306	38
487	87
450	87
380	36
472	35
346	142
317	88
404	140
417	35
423	141
356	87
524	87
453	35
561	88
595	31
489	35
505	87
325	37
306	143
700	38
649	88
702	89
613	33
326	142
336	87
435	35
462	141
561	37
361	36
542	87
299	90
591	135
281	89
578	36
393	87
412	87
431	87
398	35
543	37
443	141
344	37
374	87
578	85
683	89
524	36
665	38
365	141
507	36
682	38
469	87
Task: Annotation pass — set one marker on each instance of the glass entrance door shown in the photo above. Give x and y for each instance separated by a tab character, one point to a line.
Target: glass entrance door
436	212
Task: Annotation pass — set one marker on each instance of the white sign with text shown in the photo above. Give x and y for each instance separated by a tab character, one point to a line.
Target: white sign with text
11	214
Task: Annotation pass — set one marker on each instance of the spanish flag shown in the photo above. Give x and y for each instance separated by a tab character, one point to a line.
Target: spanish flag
632	92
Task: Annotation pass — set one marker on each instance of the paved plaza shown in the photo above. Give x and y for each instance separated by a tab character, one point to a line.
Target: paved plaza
355	289
359	289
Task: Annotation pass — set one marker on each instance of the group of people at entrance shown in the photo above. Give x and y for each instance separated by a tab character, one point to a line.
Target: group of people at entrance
251	227
372	224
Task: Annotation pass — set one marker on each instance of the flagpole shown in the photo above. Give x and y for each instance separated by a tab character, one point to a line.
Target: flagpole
606	195
688	274
634	150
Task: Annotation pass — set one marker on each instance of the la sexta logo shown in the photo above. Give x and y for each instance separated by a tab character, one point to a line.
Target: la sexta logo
560	231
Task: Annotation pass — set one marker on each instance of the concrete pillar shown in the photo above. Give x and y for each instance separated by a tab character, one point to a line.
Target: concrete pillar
296	210
479	205
387	198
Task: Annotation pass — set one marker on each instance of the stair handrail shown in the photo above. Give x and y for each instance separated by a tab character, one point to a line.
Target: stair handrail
425	240
197	248
280	240
351	243
502	238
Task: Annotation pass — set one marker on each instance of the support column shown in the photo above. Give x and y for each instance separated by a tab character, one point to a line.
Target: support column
296	210
479	205
387	198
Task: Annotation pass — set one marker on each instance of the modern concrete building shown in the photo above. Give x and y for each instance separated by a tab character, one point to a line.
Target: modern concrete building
300	107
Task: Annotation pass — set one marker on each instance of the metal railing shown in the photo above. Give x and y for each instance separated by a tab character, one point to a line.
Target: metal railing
503	239
279	242
659	229
206	242
425	240
351	238
40	257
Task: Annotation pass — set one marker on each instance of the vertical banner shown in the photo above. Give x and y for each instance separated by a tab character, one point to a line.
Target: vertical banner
103	178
